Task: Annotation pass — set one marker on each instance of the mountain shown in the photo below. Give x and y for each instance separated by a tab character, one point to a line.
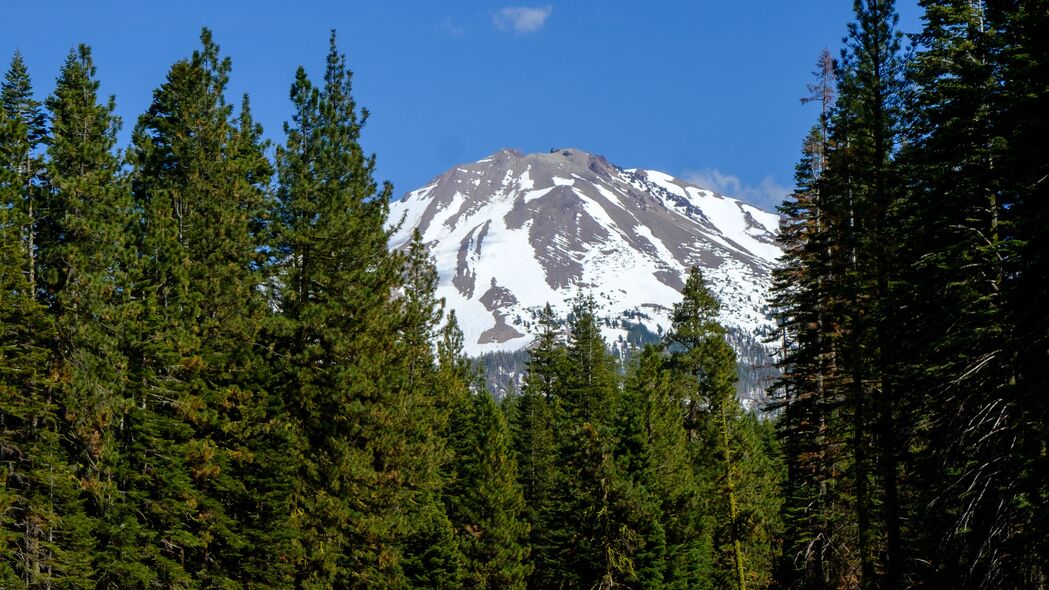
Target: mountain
512	232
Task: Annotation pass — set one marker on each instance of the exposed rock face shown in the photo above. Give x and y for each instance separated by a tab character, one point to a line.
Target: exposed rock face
512	232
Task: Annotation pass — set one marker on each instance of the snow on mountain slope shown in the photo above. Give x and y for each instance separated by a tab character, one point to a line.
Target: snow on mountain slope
512	232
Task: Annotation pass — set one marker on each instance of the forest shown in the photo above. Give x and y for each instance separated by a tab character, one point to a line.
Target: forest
214	373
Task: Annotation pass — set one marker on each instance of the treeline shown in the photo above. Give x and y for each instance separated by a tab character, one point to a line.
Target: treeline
214	374
657	479
914	307
755	365
211	379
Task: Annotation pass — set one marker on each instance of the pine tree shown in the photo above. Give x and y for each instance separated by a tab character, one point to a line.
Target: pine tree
252	424
485	501
859	192
23	354
44	527
1025	25
363	448
598	519
85	253
199	180
430	551
25	131
761	475
954	340
705	368
809	392
531	415
655	452
83	259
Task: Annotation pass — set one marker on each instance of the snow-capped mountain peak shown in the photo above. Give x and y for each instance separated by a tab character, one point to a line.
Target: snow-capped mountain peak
512	232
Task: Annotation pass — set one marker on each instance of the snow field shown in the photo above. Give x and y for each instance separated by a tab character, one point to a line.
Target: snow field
621	277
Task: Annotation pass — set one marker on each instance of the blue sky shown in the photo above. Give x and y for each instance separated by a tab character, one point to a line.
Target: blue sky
701	89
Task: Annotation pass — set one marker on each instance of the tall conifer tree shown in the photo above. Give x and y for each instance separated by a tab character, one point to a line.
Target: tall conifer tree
705	366
859	193
953	243
199	181
810	393
429	546
85	252
598	522
1026	69
532	416
365	448
25	132
45	530
485	502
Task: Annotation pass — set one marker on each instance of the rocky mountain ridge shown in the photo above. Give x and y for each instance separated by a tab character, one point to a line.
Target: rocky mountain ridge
512	232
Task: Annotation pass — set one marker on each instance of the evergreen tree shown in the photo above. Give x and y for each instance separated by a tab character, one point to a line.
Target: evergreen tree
85	253
689	535
199	180
705	366
45	530
598	519
761	475
917	301
25	131
364	451
809	394
847	363
531	416
953	243
252	423
431	555
866	128
656	455
83	259
1026	214
485	501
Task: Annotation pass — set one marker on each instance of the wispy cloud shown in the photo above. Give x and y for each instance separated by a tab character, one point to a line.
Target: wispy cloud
453	28
766	194
521	19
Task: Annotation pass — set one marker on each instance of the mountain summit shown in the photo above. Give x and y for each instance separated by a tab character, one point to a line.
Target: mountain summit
512	232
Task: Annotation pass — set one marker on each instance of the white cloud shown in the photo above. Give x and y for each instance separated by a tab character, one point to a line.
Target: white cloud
521	19
766	194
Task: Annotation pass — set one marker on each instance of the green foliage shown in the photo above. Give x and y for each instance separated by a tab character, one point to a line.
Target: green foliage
23	128
594	532
811	393
658	450
197	414
358	360
208	383
906	266
85	254
531	417
1026	65
44	530
735	467
485	501
216	387
954	246
430	549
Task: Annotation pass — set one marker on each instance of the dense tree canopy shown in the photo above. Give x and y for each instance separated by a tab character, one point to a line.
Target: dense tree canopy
909	444
214	373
